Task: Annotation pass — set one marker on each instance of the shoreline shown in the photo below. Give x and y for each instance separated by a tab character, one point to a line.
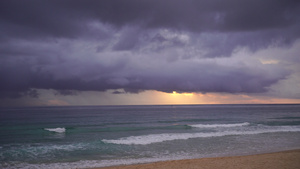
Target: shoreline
289	159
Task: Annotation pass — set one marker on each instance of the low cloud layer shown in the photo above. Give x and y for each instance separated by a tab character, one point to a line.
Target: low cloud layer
190	46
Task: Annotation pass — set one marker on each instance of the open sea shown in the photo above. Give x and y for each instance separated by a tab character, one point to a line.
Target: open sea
98	136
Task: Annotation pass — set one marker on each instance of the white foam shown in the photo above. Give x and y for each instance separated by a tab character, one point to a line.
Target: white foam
220	125
57	130
157	138
40	150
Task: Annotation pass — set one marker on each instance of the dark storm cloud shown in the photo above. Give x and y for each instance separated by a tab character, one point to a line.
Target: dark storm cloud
230	15
34	19
64	18
137	45
133	72
251	23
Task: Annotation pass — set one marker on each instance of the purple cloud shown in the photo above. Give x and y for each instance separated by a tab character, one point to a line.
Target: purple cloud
195	46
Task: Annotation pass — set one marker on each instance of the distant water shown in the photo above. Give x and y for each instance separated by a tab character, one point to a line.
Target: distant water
83	137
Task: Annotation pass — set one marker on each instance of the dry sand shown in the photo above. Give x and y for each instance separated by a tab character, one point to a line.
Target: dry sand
279	160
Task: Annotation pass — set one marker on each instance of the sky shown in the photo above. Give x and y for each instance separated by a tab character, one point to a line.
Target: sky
139	52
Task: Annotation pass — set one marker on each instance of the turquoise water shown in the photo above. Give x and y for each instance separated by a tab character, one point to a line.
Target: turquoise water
83	137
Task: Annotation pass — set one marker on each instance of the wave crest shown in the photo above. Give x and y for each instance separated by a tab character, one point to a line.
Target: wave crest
157	138
220	125
57	130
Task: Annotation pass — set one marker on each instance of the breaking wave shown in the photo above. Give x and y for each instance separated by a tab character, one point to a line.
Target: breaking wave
157	138
220	125
57	130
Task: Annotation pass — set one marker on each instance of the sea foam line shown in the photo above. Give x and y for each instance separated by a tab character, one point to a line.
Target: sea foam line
157	138
220	125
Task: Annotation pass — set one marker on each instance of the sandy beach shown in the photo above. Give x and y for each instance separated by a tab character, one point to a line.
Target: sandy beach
279	160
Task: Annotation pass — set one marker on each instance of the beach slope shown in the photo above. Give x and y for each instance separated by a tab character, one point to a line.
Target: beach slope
279	160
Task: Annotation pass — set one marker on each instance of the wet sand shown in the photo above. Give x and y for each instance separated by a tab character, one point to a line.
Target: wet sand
279	160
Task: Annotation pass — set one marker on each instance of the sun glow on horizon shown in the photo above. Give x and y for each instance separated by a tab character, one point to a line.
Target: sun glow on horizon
174	93
150	97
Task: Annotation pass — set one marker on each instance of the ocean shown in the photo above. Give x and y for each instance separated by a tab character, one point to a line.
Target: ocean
98	136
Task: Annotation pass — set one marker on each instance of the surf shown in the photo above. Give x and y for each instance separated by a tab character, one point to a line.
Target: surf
158	138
